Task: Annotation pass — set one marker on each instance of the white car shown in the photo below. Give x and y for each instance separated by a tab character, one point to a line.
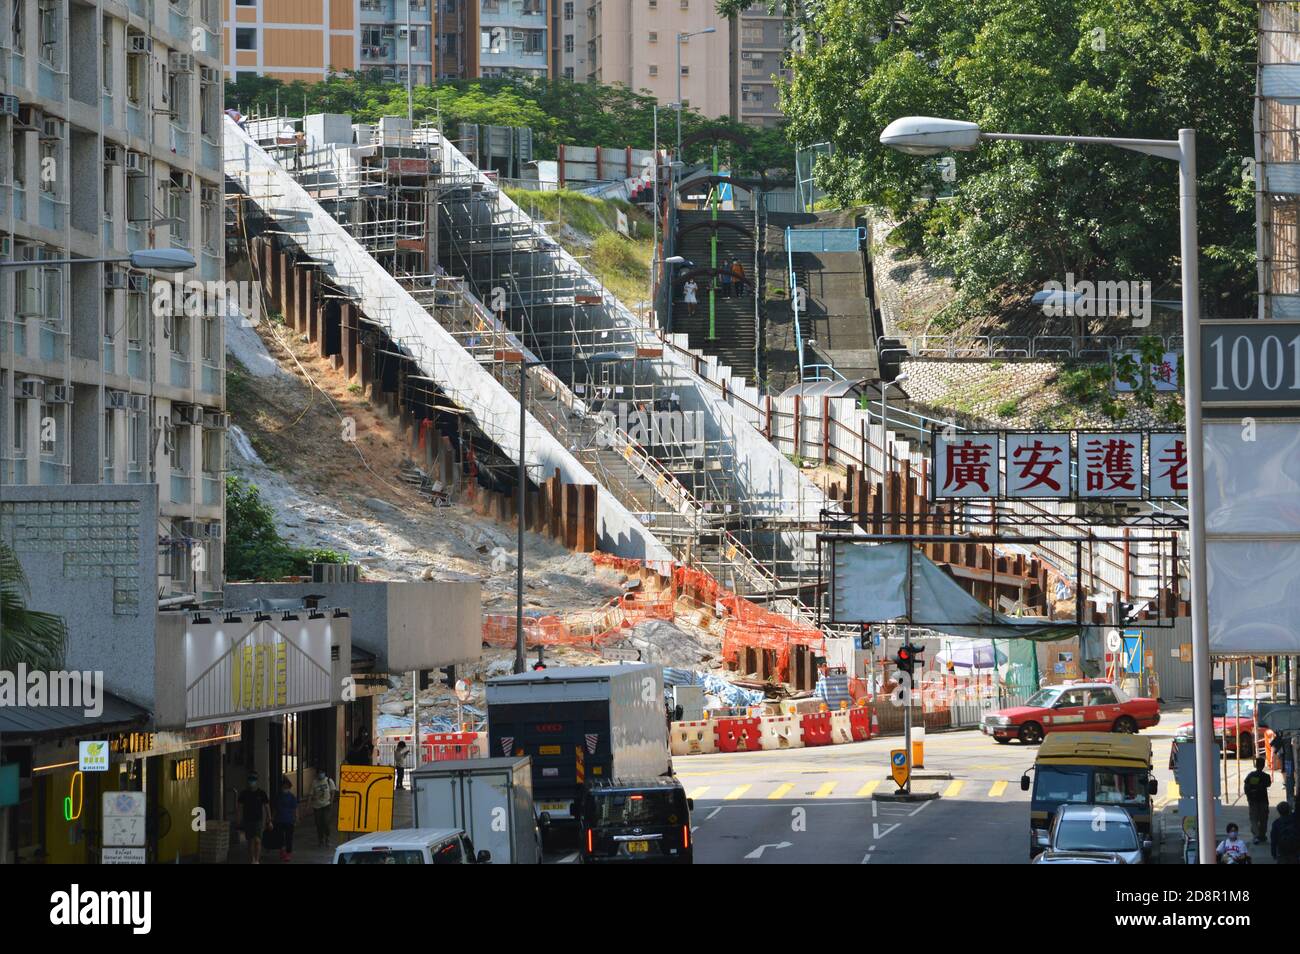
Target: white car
1092	835
410	846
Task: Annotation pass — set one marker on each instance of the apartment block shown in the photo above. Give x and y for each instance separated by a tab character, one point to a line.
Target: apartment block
760	44
310	39
635	43
110	114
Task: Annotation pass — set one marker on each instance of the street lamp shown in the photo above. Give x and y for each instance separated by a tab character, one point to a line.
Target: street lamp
162	259
681	38
927	136
884	415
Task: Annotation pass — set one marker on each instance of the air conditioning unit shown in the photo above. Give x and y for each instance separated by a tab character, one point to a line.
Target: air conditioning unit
59	394
29	117
183	181
191	414
140	402
8	105
137	44
52	128
181	62
191	528
113	154
138	283
209	74
115	278
31	389
209	195
117	400
216	420
745	54
137	164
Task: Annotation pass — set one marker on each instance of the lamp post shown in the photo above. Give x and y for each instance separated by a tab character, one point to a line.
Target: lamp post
884	415
927	136
163	259
682	38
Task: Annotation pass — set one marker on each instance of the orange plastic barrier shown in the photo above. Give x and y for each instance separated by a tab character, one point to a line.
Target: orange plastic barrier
816	728
451	746
860	723
738	735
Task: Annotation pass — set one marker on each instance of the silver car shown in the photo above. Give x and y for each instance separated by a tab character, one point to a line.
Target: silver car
1092	835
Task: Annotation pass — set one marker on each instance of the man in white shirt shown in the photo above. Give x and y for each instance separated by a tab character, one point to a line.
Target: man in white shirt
321	798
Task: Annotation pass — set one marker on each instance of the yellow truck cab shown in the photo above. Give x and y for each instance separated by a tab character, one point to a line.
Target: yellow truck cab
1090	768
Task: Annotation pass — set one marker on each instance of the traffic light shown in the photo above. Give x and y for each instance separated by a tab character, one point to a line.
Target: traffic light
909	656
449	676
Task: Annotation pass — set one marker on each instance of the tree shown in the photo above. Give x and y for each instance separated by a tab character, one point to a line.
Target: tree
27	636
1023	213
254	549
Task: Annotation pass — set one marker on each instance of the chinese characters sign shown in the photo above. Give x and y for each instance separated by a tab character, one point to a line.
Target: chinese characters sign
1062	465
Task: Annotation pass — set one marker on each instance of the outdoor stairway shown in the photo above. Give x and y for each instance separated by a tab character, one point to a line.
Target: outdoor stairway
735	335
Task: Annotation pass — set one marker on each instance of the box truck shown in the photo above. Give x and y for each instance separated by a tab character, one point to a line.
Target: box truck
491	800
580	724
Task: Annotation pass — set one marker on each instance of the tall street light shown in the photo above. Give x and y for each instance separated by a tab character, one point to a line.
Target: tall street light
927	136
164	259
884	415
682	38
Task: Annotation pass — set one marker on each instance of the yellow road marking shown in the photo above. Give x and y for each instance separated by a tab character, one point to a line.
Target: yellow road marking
781	791
997	789
736	793
866	790
697	792
952	789
825	789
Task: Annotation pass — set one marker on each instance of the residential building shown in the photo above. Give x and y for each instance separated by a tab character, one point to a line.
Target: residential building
310	39
760	43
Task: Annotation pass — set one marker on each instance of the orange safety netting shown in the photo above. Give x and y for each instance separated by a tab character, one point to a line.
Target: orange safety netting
751	626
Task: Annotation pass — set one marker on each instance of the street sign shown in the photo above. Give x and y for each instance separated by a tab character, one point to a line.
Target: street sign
121	856
92	756
462	690
898	766
1250	362
1114	642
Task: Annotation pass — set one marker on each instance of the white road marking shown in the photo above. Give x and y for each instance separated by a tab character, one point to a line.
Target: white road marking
709	816
878	834
568	859
918	810
758	852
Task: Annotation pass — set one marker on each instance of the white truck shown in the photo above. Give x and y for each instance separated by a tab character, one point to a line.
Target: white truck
491	800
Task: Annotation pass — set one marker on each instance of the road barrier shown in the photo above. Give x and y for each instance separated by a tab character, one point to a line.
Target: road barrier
692	738
781	732
841	726
816	728
860	723
738	735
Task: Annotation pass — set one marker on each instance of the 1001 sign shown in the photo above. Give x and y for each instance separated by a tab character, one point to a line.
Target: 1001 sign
1250	362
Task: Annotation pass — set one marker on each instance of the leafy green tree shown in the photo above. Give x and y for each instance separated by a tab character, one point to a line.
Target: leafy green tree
27	636
254	549
1024	213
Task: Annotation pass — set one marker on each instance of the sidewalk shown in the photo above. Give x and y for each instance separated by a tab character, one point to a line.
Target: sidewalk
306	851
1171	849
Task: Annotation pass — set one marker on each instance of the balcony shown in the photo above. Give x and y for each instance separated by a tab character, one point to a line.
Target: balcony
211	378
211	490
210	155
50	83
110	357
180	376
53	474
18	70
181	488
135	360
53	212
106	109
180	140
52	343
137	123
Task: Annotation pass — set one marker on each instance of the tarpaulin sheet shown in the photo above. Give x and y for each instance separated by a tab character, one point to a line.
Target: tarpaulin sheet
882	582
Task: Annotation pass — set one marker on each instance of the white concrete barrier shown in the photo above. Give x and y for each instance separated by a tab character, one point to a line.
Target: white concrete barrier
692	738
780	732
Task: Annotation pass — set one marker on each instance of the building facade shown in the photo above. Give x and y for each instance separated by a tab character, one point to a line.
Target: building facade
760	43
310	39
112	116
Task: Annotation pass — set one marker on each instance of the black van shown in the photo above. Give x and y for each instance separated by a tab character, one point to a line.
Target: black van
635	820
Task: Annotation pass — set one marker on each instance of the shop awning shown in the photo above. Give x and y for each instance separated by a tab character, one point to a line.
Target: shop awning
21	722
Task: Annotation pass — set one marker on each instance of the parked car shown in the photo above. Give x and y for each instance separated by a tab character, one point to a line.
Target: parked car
1236	728
1079	707
1092	834
410	846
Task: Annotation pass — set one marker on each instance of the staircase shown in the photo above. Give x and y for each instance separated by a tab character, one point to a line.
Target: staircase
735	333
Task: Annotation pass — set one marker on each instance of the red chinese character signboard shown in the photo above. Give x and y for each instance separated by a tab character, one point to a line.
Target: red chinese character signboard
966	465
1110	465
1168	465
1038	465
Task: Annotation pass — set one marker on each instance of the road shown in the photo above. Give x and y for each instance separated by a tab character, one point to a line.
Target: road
814	806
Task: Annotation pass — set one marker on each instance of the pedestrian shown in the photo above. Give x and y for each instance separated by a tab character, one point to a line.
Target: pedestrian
254	817
400	756
689	291
362	751
321	798
1256	788
286	816
725	279
1232	850
1284	839
738	274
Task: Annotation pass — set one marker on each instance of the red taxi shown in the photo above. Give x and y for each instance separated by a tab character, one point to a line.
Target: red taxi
1079	707
1235	730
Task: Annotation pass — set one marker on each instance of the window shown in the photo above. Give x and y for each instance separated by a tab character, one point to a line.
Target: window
448	854
136	77
179	335
50	435
245	38
50	32
685	4
654	70
135	432
568	9
535	41
107	53
654	4
245	3
108	192
136	305
108	444
1070	699
568	72
449	43
211	451
686	71
1102	697
20	428
654	37
16	27
49	164
568	43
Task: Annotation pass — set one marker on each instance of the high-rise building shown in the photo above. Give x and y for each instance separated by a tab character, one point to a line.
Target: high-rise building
636	43
760	42
112	122
310	39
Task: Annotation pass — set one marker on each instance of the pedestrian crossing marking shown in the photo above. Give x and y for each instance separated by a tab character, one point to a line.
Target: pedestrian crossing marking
825	790
866	790
953	789
997	789
781	791
737	792
697	792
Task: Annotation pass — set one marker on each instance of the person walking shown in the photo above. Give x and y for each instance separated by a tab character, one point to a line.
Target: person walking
1256	786
724	280
286	817
254	817
689	292
400	757
362	751
738	276
321	799
1284	839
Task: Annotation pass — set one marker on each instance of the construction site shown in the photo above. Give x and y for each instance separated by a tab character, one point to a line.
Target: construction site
411	273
